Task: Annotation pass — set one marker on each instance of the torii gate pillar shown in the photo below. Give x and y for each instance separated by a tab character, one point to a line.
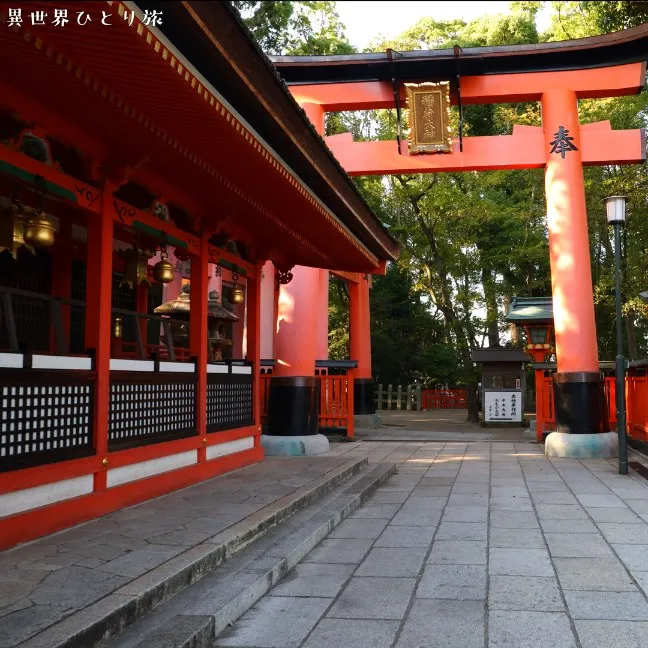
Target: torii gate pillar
578	392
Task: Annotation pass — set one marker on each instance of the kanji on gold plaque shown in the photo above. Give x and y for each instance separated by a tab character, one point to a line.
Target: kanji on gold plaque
429	116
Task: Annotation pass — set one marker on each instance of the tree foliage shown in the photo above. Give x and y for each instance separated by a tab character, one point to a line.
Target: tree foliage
286	27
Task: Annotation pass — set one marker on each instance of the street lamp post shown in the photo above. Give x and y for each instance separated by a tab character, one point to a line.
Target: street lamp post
616	214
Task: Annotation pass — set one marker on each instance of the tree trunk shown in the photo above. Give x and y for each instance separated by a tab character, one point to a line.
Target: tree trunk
491	308
633	351
513	329
471	402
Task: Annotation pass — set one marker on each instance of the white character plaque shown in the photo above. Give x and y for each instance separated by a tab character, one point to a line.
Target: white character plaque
503	406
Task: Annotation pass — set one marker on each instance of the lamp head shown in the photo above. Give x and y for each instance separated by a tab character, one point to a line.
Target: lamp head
615	207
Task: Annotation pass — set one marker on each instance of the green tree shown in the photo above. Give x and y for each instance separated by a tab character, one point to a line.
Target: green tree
285	27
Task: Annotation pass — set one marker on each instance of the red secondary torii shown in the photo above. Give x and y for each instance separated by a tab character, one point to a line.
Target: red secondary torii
557	75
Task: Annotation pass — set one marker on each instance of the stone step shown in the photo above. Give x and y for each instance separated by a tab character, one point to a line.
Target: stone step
195	617
113	613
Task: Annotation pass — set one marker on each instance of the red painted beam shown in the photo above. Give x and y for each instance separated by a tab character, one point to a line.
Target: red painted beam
524	149
613	81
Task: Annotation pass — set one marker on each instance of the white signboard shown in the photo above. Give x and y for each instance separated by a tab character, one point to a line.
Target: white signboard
503	406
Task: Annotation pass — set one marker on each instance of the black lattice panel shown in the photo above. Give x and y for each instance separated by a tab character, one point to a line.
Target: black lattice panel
150	408
229	402
44	417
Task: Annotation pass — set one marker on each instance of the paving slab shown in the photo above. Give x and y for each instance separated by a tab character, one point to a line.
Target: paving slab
592	574
621	606
373	598
460	582
458	552
604	634
406	536
524	593
519	562
513	520
359	633
568	526
529	630
516	538
587	545
462	531
453	513
560	512
618	533
416	517
634	556
622	515
392	562
443	624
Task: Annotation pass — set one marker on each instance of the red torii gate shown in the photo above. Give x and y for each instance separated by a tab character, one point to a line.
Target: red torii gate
329	84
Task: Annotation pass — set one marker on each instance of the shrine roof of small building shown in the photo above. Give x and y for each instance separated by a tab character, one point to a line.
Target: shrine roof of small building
530	309
618	48
498	354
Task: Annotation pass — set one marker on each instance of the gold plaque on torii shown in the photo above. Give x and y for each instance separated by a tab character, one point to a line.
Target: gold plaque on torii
429	116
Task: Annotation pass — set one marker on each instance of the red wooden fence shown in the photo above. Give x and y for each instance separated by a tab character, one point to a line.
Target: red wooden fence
336	402
637	407
444	399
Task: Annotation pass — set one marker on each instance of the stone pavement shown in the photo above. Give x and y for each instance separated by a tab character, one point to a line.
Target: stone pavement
48	580
471	546
436	425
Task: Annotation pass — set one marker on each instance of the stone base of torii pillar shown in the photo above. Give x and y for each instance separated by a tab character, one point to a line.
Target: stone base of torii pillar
582	446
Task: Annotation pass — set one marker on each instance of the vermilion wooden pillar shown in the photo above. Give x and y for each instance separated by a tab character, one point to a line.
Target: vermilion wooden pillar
198	332
578	391
293	404
360	345
98	317
254	342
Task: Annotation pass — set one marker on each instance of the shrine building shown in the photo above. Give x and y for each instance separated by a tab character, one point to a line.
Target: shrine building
158	185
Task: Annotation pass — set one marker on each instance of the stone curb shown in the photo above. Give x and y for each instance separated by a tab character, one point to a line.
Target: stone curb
199	630
113	613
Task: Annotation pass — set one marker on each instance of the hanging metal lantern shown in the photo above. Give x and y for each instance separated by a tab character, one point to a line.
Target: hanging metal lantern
238	294
135	266
12	231
119	327
163	271
40	230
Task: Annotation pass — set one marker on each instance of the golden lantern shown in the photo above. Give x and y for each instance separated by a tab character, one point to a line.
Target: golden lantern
12	232
163	270
119	327
135	266
237	296
40	231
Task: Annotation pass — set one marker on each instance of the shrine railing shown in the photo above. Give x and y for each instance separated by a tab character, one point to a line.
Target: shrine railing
336	403
151	407
45	416
230	395
637	400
